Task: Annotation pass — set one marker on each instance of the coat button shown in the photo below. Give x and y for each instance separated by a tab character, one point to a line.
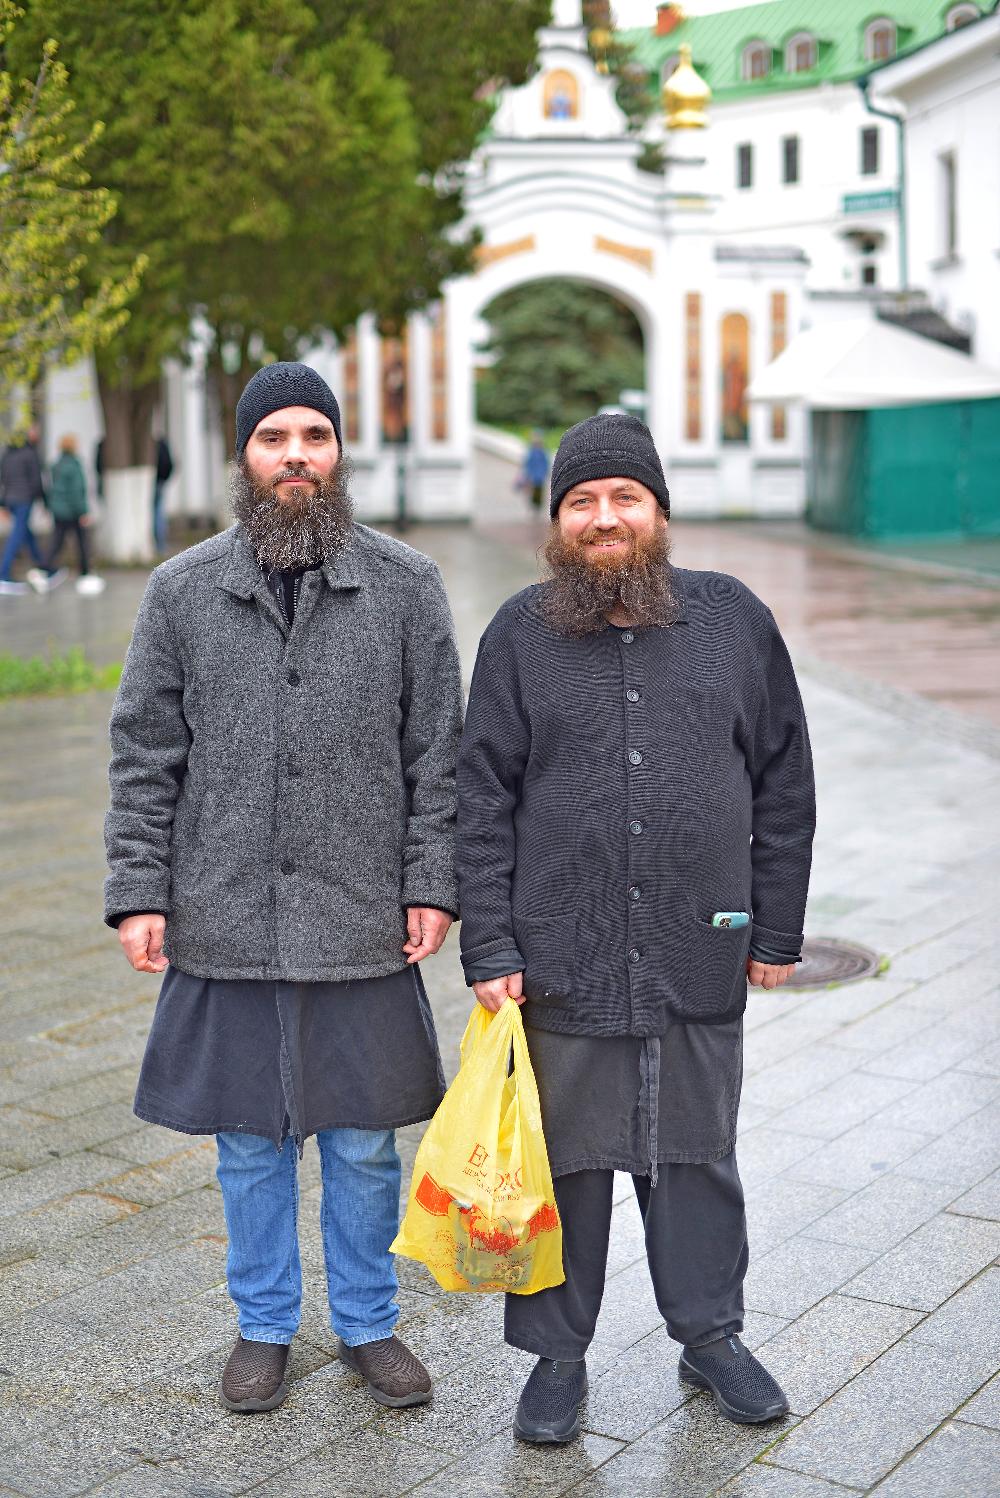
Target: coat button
288	867
635	828
634	893
294	679
294	768
631	695
627	637
634	757
634	954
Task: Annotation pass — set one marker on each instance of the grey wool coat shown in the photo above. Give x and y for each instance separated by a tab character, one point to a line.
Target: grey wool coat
617	791
282	795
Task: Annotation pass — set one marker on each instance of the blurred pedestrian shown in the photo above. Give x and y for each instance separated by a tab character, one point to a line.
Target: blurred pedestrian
20	485
655	711
67	503
164	471
534	471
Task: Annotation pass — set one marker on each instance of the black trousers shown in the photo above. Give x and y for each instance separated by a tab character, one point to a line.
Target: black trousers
696	1247
60	530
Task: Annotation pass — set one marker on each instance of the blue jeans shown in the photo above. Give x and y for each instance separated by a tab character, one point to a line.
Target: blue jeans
20	534
360	1215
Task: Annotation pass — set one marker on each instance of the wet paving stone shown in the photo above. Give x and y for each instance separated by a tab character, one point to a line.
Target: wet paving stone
870	1129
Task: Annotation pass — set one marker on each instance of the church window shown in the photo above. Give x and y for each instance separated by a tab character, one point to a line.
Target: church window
756	61
744	165
439	373
352	424
869	151
669	68
561	95
800	53
692	366
880	40
790	158
948	170
960	15
735	376
779	337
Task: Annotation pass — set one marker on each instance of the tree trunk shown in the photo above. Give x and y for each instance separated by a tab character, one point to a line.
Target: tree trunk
229	386
128	421
129	469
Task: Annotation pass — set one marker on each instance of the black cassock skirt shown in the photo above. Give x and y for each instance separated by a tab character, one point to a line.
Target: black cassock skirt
280	1059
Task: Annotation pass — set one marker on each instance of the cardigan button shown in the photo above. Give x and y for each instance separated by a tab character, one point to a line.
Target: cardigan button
294	679
627	637
634	757
288	867
631	695
634	954
635	828
634	893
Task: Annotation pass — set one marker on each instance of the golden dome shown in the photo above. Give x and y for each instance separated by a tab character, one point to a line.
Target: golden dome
685	95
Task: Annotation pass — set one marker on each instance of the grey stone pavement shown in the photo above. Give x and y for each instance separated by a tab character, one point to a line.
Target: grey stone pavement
869	1142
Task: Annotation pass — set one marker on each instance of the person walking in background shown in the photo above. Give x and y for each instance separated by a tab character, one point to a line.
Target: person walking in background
164	471
67	503
535	471
635	815
20	485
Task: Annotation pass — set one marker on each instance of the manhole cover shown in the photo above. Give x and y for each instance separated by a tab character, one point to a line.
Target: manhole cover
825	960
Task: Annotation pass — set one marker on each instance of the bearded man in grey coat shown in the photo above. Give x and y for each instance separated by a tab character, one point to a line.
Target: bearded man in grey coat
281	834
636	816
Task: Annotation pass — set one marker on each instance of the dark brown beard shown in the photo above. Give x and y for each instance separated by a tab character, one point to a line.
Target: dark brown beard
309	527
581	592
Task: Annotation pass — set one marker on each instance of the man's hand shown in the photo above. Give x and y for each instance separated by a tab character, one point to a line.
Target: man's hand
495	993
768	974
426	929
142	938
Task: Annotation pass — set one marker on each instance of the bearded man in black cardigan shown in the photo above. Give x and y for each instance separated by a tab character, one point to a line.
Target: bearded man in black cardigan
636	815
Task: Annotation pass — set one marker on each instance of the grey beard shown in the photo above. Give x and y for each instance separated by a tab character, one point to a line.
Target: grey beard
579	595
288	535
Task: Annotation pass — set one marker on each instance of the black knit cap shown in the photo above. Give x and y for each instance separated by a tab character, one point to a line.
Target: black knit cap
609	446
279	385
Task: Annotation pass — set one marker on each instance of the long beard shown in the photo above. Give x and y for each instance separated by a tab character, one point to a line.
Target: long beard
312	524
583	587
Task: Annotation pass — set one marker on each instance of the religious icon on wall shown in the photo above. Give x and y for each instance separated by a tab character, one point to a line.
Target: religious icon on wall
561	96
735	373
395	391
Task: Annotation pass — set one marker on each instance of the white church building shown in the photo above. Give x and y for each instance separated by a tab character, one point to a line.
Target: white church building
773	207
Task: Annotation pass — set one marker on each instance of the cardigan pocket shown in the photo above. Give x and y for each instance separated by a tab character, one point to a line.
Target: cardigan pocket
548	946
716	982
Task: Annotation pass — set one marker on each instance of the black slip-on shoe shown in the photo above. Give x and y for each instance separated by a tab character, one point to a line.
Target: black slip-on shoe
548	1411
395	1376
254	1377
744	1390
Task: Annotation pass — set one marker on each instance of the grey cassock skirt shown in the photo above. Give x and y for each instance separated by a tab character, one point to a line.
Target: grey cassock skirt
279	1059
625	1103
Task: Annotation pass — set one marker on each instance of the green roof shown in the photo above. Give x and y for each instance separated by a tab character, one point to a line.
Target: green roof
717	41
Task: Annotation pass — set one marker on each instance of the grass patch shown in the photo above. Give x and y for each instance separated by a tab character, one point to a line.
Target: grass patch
58	676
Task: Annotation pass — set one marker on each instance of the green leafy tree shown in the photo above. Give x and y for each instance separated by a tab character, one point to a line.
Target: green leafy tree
284	167
51	223
560	351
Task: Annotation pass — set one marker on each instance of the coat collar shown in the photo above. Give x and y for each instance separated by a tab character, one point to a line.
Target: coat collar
243	576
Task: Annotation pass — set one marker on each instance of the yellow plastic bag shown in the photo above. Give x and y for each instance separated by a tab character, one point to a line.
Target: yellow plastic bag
482	1213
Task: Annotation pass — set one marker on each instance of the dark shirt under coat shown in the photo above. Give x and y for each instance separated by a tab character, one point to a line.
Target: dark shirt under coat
617	791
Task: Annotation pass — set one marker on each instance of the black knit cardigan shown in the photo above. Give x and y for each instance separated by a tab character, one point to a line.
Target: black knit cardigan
615	792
